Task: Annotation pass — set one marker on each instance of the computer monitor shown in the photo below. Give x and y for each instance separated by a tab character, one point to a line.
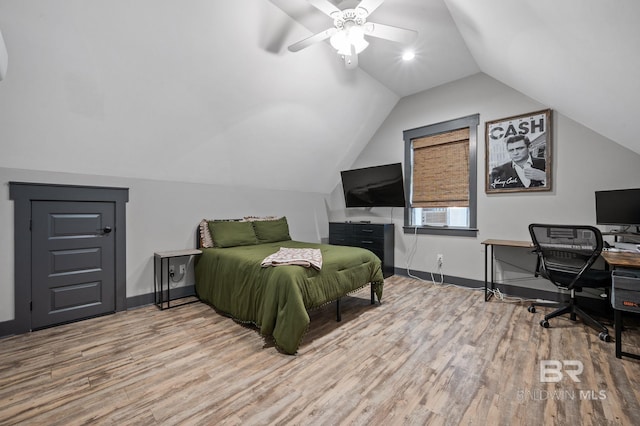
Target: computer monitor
619	207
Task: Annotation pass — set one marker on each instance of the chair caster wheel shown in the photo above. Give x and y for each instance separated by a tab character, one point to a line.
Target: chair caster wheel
532	309
544	323
604	337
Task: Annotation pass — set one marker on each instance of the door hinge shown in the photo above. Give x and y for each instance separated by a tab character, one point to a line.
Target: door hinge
31	306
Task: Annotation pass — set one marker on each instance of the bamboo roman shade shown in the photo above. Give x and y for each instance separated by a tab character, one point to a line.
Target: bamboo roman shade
441	170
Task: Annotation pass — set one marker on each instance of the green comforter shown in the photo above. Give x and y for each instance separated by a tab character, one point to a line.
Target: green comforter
276	298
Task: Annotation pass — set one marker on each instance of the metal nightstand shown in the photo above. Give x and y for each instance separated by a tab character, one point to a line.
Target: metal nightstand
162	258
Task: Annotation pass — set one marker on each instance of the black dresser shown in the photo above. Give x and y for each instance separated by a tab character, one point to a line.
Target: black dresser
377	237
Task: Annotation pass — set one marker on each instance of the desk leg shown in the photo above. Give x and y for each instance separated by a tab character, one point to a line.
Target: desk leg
493	263
486	250
487	294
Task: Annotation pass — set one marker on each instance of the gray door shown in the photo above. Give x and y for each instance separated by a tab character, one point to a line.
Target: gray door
72	261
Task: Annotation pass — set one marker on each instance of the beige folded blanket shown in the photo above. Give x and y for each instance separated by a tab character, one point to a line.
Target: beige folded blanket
307	257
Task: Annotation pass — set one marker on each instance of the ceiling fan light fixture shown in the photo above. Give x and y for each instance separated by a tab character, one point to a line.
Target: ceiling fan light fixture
347	37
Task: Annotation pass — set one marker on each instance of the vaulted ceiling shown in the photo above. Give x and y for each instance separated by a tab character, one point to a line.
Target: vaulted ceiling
206	91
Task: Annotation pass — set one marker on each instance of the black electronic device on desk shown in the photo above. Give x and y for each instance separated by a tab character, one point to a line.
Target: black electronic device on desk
623	247
619	207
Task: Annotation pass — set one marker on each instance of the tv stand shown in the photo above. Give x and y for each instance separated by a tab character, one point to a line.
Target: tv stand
377	237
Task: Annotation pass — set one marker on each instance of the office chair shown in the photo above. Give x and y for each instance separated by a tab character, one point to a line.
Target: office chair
565	256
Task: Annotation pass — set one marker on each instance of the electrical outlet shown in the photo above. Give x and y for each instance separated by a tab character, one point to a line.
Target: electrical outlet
440	260
182	269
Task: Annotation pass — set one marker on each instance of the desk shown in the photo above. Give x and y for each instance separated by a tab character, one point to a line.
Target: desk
621	260
489	246
613	259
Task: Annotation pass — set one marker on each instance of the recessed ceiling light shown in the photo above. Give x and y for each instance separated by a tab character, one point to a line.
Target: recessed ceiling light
408	55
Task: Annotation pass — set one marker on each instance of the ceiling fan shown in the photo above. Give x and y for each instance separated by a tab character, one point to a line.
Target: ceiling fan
350	26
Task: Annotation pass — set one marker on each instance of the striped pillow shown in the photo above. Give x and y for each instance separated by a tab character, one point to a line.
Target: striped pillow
205	235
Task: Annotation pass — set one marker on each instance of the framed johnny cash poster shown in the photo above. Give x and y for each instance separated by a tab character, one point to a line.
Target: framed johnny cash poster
518	153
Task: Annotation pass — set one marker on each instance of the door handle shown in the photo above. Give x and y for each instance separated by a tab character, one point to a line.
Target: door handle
106	230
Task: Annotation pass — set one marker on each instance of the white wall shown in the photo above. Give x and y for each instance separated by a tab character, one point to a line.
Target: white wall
180	91
583	162
163	216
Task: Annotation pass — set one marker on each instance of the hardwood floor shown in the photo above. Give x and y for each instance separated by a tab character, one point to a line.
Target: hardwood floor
427	355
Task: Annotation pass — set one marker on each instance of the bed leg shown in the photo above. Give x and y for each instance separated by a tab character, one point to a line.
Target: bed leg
338	316
373	295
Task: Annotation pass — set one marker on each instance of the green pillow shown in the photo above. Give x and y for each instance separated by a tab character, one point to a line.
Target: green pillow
270	231
231	234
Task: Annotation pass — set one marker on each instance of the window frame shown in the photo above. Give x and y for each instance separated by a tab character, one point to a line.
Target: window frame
471	122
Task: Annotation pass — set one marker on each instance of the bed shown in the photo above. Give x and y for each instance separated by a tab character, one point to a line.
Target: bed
230	277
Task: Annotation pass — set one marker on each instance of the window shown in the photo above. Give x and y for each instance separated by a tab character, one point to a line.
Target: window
441	172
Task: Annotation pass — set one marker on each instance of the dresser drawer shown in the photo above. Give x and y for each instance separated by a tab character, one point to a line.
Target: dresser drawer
339	228
339	239
378	251
339	233
368	231
373	244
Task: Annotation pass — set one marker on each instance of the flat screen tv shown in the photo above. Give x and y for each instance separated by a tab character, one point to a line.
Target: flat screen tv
378	186
618	207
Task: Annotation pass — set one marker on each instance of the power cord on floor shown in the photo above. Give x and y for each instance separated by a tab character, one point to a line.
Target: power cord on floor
499	295
496	292
412	252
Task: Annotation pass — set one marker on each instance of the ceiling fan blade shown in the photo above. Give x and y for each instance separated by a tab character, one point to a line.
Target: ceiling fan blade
387	32
325	6
295	47
369	5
